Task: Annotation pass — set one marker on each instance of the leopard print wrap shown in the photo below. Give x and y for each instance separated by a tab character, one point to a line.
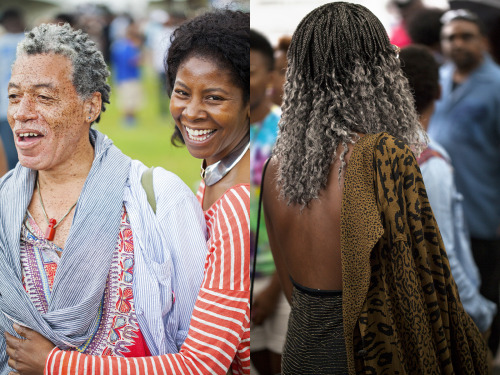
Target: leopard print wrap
402	312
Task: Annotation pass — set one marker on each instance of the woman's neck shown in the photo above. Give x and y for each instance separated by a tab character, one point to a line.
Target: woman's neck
240	174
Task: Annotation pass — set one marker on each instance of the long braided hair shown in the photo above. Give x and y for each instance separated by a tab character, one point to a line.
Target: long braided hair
343	77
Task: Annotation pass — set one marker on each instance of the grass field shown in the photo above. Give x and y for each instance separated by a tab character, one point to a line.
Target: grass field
149	140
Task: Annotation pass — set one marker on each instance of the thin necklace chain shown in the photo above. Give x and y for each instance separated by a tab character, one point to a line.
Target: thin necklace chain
43	208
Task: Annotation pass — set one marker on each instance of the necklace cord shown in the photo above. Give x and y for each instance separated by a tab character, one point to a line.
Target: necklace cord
43	207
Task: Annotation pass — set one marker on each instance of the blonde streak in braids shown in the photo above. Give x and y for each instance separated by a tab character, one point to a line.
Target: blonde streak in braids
291	132
317	143
396	86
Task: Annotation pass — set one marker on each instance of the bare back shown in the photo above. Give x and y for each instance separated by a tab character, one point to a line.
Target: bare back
306	245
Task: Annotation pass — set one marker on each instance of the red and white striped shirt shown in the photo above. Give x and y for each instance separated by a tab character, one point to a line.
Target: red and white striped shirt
219	334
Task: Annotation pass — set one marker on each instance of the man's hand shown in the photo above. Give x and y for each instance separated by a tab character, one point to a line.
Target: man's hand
264	304
27	356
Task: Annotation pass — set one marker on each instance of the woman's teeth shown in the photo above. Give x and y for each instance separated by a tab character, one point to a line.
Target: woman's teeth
199	135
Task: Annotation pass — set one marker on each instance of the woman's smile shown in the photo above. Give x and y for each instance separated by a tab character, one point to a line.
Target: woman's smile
199	135
208	109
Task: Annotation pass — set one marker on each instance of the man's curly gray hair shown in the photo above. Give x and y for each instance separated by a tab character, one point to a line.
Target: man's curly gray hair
343	78
90	72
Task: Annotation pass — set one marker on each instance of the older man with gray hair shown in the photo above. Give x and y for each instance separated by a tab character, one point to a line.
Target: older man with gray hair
84	259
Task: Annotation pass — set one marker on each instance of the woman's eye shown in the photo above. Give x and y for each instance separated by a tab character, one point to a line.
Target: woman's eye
215	97
181	92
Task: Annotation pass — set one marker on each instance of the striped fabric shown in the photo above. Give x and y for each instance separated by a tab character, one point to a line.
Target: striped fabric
118	333
88	250
219	335
169	254
161	248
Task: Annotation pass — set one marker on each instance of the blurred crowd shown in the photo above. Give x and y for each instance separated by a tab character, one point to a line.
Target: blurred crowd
129	43
450	57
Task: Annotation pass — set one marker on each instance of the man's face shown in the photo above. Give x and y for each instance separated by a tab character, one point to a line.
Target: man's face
49	120
462	42
260	78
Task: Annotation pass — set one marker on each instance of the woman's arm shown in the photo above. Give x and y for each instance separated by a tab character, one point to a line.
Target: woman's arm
270	195
220	326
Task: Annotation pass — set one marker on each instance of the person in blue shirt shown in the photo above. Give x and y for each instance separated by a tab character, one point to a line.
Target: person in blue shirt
12	21
466	123
126	64
422	71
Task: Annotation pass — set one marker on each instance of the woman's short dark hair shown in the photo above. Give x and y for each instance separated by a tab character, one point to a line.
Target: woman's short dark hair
422	71
221	35
259	42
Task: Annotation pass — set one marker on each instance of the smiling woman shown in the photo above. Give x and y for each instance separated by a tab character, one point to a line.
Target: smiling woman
208	109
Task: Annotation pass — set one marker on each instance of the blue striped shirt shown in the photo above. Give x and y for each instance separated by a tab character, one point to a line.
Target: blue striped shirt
170	249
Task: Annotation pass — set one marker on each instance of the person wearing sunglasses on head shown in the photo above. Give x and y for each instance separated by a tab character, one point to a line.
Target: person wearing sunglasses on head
466	123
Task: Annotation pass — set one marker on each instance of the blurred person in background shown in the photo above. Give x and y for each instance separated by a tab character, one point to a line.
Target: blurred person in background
270	309
159	44
118	26
92	20
424	28
12	21
64	17
422	72
356	246
280	52
466	122
208	80
489	13
3	160
157	40
404	9
107	18
126	61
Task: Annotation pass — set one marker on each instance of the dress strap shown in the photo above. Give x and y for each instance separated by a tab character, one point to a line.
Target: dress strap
315	292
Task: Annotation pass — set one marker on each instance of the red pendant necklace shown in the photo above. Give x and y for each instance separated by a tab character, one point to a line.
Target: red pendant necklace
52	223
